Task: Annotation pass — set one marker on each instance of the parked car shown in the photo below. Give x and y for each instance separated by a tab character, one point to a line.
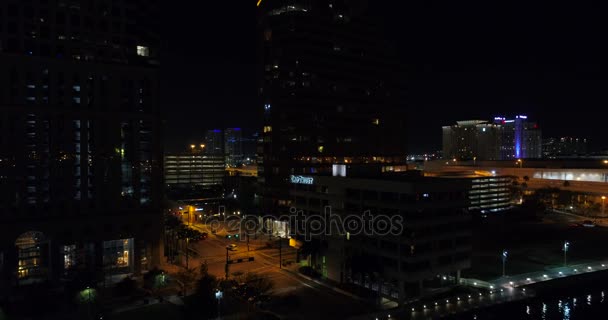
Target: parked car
588	224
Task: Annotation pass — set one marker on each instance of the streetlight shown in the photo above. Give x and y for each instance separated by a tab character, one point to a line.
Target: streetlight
566	246
504	261
603	200
520	162
218	296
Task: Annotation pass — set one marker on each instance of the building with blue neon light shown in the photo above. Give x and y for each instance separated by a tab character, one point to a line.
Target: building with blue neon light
502	139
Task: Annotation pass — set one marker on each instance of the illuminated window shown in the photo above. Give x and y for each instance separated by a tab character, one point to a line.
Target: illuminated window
117	253
376	121
143	51
69	256
267	129
320	148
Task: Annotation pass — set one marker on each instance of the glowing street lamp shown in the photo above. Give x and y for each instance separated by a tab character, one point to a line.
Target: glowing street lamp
218	295
504	261
520	162
603	200
566	246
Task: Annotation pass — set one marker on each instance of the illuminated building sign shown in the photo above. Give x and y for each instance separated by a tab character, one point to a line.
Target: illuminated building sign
302	180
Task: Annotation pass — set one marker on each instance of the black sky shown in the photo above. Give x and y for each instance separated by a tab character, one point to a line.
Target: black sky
465	60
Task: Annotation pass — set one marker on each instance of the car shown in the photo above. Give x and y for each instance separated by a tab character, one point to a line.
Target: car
588	224
232	247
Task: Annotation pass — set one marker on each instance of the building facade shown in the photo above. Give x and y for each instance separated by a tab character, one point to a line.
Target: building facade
501	139
330	92
472	139
194	168
233	147
487	192
564	147
520	138
80	145
214	142
432	239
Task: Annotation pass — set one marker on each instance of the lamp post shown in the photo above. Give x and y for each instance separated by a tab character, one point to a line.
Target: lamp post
603	200
504	261
566	246
520	162
187	251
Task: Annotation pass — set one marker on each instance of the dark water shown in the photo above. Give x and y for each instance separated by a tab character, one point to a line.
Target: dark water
591	303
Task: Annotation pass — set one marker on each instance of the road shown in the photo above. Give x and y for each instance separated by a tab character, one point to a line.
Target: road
294	297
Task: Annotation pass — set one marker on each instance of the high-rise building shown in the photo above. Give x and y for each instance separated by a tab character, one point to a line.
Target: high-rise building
214	142
233	146
520	138
80	151
250	147
564	147
330	92
471	139
501	140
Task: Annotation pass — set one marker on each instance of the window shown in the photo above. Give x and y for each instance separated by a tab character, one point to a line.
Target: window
69	256
117	253
143	51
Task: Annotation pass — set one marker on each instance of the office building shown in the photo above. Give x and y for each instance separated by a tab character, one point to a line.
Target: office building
564	147
80	151
520	138
214	142
435	240
330	92
233	146
250	148
501	139
471	139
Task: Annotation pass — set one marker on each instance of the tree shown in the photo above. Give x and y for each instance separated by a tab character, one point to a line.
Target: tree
204	304
258	285
155	280
186	279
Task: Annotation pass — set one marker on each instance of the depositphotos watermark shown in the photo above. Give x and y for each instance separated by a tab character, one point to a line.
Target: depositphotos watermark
311	225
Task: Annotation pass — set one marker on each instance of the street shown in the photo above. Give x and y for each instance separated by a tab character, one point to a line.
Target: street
293	296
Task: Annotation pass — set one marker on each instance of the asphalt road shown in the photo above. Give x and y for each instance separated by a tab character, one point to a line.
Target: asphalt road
294	297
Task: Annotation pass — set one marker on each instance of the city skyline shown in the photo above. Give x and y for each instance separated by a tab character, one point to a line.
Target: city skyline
480	66
302	159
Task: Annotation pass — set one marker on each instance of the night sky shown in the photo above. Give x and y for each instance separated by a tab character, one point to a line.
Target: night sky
465	60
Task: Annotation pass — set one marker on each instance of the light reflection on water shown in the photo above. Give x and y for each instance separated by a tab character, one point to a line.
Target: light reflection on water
564	308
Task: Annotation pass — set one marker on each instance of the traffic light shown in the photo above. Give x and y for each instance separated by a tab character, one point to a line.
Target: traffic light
236	235
228	236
